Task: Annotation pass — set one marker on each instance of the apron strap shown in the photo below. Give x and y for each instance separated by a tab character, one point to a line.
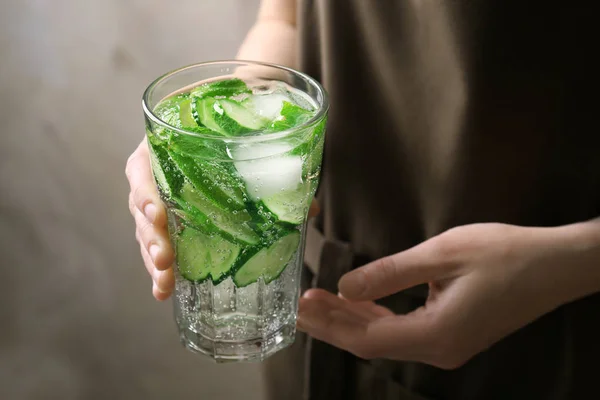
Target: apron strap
335	256
327	367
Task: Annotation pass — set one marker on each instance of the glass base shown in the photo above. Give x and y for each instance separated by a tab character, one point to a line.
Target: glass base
252	350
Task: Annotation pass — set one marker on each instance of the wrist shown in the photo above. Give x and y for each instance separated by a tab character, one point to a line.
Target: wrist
569	263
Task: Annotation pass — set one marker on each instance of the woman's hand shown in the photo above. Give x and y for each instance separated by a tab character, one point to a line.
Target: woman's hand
151	222
485	281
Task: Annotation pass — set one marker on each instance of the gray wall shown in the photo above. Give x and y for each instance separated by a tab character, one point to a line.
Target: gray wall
77	319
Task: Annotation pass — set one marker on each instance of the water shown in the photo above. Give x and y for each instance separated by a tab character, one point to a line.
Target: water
237	211
229	323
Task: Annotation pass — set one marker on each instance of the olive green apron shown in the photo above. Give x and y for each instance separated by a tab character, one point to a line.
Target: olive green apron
445	113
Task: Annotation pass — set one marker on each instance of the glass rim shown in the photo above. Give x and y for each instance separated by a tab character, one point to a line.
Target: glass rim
261	135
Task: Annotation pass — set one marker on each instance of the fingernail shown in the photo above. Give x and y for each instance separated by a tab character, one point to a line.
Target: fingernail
150	212
157	288
154	249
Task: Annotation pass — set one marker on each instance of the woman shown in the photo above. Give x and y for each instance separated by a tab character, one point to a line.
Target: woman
460	191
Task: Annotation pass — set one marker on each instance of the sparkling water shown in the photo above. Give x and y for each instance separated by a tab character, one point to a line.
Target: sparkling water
237	164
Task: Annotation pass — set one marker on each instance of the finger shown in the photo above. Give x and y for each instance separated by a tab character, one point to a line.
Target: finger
143	190
401	337
314	209
407	337
372	308
159	294
366	309
155	241
319	319
163	281
132	207
358	314
395	273
148	263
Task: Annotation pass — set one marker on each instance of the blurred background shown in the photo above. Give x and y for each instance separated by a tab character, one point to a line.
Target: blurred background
77	318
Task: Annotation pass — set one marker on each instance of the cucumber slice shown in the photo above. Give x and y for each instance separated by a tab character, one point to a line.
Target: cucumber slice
269	262
200	255
227	117
290	206
214	179
226	88
185	114
166	174
203	113
168	110
214	219
246	118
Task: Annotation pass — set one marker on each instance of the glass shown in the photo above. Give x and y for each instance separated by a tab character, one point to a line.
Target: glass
237	208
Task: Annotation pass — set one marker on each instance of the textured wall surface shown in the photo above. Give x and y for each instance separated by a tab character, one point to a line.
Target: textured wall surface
77	319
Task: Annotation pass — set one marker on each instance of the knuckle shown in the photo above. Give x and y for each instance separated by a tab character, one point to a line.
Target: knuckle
146	231
446	247
150	268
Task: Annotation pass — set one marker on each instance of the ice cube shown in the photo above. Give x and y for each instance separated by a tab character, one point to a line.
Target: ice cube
269	171
269	105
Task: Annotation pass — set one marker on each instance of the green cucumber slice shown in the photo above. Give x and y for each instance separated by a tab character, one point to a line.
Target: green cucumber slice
226	88
227	117
200	255
269	262
290	206
203	113
166	174
229	224
185	114
245	117
168	110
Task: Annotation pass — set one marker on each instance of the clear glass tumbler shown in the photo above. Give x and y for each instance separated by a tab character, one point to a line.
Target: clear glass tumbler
237	208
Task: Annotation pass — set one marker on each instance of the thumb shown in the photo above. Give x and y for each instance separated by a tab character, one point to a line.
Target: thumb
394	273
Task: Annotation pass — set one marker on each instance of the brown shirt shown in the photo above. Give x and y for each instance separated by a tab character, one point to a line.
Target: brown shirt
446	113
